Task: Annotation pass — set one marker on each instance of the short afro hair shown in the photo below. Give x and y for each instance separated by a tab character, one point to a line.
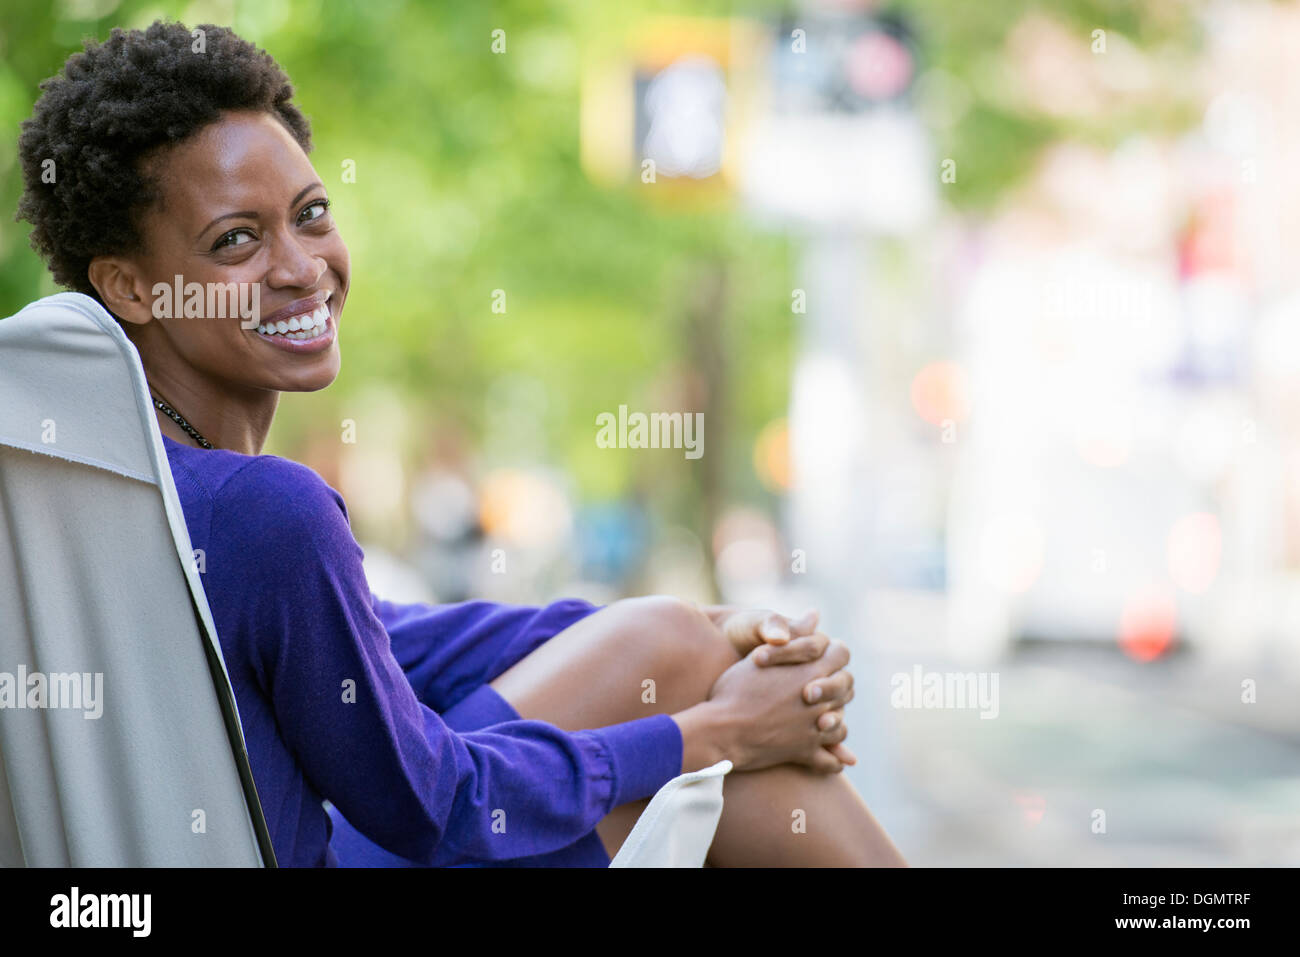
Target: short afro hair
110	108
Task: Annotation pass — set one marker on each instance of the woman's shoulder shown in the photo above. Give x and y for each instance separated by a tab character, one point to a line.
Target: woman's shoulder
264	495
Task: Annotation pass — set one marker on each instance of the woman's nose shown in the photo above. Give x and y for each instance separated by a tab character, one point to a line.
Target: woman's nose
294	265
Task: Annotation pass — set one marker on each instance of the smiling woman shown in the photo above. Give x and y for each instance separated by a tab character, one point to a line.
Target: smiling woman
282	238
459	734
174	163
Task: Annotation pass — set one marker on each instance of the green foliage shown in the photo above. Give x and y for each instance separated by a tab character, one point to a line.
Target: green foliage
468	180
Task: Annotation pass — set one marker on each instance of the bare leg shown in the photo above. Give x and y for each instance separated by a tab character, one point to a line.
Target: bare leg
591	675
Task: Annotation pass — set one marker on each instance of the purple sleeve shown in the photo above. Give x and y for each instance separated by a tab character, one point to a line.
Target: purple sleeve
447	651
389	763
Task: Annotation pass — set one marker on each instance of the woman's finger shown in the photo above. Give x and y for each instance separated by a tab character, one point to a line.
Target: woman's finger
774	628
836	657
746	630
829	719
796	652
842	753
838	704
805	624
834	735
830	688
826	761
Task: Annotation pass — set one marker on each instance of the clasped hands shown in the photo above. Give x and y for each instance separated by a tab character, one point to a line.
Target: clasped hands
765	638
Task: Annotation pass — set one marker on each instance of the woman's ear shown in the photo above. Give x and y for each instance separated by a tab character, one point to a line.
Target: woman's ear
121	288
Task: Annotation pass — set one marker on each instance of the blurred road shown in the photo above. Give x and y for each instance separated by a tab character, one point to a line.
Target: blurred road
1185	773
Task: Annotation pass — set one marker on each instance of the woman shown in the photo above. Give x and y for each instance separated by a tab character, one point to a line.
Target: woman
464	734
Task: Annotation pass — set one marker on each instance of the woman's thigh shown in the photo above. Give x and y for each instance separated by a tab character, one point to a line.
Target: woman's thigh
632	659
589	675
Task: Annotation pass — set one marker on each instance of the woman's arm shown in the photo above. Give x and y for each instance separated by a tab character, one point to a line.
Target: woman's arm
348	713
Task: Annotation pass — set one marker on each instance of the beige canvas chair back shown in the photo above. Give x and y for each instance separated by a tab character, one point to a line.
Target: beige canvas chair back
133	755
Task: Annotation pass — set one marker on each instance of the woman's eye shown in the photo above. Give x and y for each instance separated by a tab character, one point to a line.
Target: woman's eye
321	206
229	239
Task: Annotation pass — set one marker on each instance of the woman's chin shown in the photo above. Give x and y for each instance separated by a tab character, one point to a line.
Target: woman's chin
313	379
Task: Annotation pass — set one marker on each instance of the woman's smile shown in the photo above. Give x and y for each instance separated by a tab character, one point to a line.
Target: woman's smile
304	326
239	203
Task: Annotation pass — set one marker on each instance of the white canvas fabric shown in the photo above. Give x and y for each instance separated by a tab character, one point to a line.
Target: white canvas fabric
96	578
676	829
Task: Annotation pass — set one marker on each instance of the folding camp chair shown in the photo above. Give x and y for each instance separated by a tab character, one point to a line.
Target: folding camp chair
97	579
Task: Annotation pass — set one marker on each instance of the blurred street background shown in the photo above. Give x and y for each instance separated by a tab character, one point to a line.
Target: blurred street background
992	312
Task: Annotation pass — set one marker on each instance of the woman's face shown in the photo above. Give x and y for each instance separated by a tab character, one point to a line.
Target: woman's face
241	203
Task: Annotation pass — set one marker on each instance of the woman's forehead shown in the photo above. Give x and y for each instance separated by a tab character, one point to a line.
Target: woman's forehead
242	161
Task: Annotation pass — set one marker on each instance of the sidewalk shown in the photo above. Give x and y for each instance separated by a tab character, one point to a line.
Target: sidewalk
1184	773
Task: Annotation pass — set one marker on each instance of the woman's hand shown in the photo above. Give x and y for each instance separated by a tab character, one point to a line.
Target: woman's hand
759	717
770	638
749	628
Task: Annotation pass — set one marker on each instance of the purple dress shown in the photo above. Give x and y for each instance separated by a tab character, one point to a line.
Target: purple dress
384	710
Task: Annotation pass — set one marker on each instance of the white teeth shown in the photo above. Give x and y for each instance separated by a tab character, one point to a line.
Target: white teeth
307	326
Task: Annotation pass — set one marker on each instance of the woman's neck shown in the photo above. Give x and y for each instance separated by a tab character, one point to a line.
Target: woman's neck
236	423
228	416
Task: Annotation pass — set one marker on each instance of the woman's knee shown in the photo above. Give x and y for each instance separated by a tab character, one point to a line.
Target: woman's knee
635	657
678	639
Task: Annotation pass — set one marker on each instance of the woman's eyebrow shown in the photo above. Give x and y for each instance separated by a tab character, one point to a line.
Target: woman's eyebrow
249	214
246	214
303	192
